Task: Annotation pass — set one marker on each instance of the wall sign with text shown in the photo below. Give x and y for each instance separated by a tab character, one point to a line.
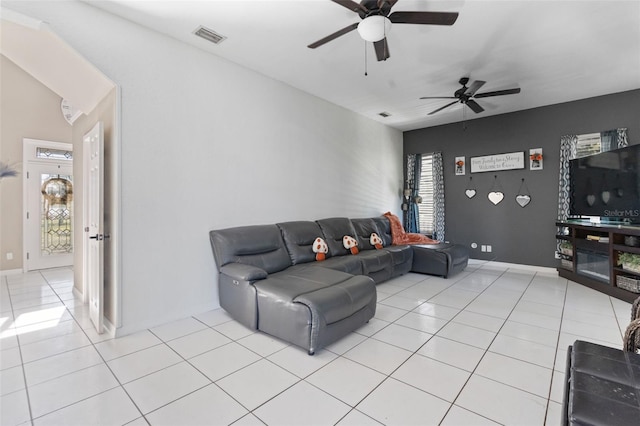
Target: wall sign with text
492	163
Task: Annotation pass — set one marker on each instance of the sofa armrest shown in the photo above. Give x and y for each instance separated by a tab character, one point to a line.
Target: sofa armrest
242	272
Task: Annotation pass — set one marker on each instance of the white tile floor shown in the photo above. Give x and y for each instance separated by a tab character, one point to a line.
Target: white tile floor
486	346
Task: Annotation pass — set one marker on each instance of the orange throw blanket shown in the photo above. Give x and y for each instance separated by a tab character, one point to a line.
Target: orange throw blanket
399	236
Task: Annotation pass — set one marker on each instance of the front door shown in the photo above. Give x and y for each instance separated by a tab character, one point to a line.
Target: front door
48	201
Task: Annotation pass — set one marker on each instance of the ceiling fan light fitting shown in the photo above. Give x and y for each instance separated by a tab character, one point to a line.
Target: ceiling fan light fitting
374	28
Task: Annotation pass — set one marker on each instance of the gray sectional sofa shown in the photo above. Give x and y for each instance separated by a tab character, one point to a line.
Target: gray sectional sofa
271	281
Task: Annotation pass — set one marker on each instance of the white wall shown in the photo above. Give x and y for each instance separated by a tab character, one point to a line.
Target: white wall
208	144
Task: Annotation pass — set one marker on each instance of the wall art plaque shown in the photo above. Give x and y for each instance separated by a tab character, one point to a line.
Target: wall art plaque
496	162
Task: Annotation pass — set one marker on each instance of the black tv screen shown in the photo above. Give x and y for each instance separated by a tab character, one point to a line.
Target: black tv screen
607	185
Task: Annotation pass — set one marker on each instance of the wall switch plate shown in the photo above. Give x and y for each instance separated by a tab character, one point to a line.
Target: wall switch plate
488	249
9	256
483	248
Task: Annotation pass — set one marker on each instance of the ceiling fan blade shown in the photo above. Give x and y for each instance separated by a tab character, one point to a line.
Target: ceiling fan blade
474	87
389	2
441	108
382	49
428	18
438	97
351	5
474	106
498	93
333	36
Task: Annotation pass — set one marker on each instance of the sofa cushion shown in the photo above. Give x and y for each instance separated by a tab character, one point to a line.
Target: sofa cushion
375	260
299	237
384	229
259	245
400	254
333	294
334	229
349	264
364	228
341	300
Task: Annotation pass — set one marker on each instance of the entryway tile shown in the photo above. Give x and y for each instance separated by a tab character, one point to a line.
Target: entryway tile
224	360
167	385
297	361
48	396
421	322
176	329
432	376
378	355
206	406
513	372
346	380
501	403
126	345
302	404
453	353
198	343
112	407
256	384
468	335
396	403
141	363
460	417
403	337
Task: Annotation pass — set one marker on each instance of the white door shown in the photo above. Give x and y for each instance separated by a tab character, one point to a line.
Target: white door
93	146
48	202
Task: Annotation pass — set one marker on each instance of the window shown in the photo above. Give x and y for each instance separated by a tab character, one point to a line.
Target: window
426	208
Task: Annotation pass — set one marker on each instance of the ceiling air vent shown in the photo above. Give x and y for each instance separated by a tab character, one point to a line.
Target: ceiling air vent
209	35
384	114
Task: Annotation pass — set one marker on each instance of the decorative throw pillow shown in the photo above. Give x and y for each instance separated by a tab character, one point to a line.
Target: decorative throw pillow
376	241
350	244
320	248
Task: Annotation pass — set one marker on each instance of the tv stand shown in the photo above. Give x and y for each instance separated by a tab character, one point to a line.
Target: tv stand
589	255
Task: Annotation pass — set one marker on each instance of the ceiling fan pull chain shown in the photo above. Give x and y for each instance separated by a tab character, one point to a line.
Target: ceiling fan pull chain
365	59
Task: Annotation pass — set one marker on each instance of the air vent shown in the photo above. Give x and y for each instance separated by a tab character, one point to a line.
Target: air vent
384	114
209	35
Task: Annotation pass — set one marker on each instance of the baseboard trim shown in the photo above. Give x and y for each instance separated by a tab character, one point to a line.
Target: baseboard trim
108	327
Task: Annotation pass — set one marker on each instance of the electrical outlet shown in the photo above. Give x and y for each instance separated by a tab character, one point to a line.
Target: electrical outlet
474	245
9	256
483	248
488	249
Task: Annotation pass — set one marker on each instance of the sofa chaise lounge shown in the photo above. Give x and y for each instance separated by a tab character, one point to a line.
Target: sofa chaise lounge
270	280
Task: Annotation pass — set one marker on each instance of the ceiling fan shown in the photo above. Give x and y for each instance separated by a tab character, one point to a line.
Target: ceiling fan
466	95
376	22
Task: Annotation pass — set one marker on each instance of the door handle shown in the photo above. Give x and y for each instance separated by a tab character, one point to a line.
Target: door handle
100	237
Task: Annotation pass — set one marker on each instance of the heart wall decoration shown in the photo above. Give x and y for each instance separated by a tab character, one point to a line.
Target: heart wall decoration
495	197
495	194
470	192
523	198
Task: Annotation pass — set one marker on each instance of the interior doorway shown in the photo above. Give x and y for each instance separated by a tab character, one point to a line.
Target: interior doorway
48	204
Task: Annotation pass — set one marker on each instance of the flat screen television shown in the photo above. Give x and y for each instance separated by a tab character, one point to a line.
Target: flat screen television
607	185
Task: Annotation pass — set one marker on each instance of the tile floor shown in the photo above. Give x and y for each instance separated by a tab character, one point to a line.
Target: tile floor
486	346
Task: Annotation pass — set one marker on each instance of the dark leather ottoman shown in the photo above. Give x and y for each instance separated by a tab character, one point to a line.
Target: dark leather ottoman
602	386
442	259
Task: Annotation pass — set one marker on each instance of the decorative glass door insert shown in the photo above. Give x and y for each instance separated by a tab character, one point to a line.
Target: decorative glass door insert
56	219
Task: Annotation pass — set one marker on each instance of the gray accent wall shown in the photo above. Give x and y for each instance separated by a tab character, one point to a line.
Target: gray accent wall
517	235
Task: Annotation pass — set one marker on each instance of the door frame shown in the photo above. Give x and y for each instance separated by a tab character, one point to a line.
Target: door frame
30	159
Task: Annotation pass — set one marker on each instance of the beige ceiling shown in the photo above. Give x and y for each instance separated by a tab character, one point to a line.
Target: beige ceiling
555	51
